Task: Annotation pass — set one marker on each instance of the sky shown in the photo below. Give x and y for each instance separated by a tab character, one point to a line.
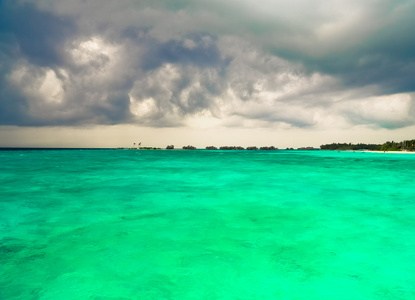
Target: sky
288	73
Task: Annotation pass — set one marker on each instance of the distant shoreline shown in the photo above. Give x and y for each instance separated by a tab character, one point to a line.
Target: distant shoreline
375	151
119	148
397	152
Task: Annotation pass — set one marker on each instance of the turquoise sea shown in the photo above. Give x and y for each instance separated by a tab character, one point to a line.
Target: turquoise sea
137	224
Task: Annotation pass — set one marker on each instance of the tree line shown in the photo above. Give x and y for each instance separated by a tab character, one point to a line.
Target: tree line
388	146
408	145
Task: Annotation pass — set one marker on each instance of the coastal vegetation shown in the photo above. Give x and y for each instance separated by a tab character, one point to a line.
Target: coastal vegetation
407	145
350	146
189	147
232	148
252	148
307	148
268	148
148	148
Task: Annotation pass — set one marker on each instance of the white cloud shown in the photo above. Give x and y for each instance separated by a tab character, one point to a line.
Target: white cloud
206	64
41	85
51	89
384	111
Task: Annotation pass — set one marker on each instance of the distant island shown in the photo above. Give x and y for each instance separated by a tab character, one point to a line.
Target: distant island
211	148
189	147
408	145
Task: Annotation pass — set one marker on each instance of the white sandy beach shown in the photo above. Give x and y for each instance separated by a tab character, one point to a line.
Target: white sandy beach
398	152
372	151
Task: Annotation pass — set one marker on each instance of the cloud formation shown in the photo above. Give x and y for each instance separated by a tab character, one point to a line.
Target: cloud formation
274	64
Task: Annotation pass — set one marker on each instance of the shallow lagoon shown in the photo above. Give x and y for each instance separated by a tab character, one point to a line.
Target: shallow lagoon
114	224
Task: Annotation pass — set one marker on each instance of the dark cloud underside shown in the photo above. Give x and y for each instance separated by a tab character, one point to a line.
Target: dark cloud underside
385	58
160	64
36	35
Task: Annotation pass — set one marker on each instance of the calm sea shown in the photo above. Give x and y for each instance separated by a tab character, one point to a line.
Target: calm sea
130	224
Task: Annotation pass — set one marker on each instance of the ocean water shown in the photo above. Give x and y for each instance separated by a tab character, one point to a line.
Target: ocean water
136	224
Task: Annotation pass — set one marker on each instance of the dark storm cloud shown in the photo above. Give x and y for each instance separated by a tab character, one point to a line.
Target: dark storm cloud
26	33
199	49
96	85
12	105
385	58
156	64
39	36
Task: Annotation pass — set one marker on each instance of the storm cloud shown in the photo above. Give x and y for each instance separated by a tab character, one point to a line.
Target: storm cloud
302	64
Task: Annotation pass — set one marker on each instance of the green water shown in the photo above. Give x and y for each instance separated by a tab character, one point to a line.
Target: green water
125	224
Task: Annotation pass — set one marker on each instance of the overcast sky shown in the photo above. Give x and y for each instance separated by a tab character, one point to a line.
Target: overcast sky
275	72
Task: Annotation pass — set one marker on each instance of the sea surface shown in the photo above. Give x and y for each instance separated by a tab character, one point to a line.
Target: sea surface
162	224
